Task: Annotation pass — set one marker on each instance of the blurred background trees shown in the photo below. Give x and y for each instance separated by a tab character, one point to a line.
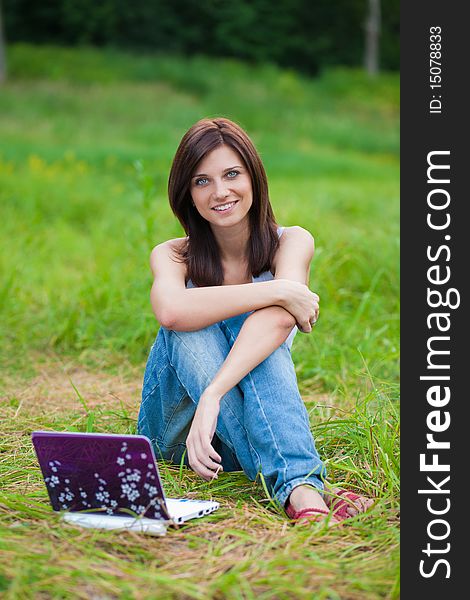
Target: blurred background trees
301	34
3	65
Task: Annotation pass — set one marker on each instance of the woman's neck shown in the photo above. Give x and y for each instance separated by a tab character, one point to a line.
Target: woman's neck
232	241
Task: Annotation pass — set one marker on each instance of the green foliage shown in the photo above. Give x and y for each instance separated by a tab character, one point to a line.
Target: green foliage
83	171
294	33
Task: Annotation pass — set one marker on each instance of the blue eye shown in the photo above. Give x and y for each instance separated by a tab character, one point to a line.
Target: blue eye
204	180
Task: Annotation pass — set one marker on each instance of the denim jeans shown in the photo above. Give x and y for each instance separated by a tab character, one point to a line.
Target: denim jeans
263	425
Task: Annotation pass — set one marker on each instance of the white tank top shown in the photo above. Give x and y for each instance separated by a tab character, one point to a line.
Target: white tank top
264	276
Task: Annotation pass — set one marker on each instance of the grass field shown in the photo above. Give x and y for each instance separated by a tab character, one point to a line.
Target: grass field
86	142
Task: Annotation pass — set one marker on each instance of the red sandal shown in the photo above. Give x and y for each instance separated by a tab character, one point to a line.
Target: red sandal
314	515
340	507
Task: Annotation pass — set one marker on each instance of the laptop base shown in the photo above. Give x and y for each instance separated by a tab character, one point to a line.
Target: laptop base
116	522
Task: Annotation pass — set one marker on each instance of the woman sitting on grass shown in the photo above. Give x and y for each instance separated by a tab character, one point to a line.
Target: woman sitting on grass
220	383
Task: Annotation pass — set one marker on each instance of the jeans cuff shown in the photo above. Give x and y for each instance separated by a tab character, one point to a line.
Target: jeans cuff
286	490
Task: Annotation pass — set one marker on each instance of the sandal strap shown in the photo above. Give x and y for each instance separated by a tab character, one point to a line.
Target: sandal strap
349	495
340	507
306	512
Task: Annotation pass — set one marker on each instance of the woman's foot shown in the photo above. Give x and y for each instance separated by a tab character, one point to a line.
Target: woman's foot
346	504
305	504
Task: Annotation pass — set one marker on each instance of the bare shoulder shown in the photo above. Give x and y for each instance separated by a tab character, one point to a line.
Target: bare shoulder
294	255
165	254
297	235
298	241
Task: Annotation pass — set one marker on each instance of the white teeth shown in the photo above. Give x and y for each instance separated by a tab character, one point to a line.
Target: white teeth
224	206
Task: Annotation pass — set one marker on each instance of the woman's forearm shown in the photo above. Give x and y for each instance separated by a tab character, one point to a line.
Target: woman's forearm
262	333
195	308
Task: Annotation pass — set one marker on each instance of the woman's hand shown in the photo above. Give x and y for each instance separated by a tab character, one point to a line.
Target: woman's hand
203	459
302	303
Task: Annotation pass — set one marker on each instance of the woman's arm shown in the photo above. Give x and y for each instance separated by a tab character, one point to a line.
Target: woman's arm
182	309
266	329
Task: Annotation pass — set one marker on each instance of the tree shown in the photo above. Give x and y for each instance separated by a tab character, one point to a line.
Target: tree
372	29
3	62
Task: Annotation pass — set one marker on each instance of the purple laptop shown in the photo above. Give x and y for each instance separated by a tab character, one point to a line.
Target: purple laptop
107	480
111	474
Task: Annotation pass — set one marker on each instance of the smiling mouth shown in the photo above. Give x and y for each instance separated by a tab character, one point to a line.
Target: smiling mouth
224	207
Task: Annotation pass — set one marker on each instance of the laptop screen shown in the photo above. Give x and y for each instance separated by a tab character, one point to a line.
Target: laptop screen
93	472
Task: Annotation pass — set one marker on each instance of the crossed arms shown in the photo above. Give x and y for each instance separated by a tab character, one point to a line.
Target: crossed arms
278	304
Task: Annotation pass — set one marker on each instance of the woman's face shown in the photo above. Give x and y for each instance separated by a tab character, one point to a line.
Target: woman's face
221	187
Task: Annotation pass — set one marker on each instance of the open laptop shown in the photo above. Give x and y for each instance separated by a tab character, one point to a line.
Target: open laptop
110	481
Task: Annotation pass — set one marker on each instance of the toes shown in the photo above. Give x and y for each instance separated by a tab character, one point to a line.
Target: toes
366	503
361	505
353	508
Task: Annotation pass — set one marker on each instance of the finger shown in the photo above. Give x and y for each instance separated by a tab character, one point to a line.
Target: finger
217	461
213	454
191	458
198	466
313	320
207	461
203	450
203	471
193	453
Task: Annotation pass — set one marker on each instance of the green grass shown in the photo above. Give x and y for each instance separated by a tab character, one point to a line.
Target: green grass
86	142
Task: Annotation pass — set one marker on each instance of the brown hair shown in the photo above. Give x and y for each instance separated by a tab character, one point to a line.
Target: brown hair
201	252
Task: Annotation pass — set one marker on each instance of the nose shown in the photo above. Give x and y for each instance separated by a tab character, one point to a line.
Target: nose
220	190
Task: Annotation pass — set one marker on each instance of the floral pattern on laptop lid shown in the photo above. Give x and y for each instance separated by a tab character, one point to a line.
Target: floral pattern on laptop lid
114	474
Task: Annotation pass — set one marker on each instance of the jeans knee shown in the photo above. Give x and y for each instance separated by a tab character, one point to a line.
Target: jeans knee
201	350
231	327
207	335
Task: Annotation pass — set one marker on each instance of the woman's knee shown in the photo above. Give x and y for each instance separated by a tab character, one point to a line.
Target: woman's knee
193	350
208	335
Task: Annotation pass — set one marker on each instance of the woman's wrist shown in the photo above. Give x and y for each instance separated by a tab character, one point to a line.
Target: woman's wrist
280	292
213	393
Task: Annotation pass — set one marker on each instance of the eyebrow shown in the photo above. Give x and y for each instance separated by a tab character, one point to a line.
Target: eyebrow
224	171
